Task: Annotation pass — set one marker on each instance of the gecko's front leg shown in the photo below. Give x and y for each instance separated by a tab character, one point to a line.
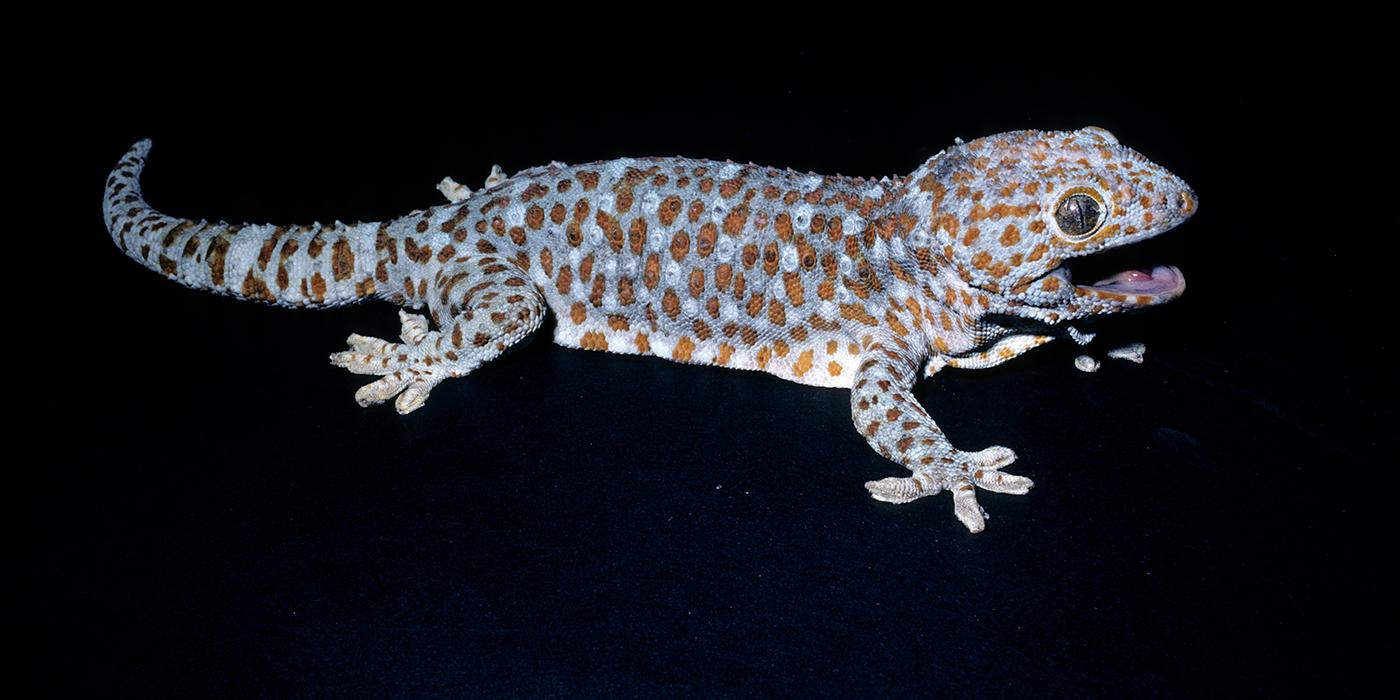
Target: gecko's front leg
884	410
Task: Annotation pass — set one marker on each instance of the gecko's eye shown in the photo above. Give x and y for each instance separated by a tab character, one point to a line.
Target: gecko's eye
1079	214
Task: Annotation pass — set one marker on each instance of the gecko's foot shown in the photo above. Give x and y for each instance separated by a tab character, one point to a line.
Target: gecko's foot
454	191
411	369
960	473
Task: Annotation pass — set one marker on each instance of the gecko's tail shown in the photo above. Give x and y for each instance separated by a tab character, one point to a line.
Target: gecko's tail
318	265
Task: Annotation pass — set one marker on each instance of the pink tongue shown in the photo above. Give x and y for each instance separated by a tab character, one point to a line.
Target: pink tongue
1127	277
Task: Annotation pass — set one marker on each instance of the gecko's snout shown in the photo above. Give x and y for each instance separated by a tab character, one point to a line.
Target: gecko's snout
1186	201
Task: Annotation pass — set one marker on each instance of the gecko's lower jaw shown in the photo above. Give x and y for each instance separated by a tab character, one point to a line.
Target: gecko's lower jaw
1138	288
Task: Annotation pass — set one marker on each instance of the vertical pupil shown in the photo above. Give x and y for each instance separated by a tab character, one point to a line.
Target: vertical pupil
1079	214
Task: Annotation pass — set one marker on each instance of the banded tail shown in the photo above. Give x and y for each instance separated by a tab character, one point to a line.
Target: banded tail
319	265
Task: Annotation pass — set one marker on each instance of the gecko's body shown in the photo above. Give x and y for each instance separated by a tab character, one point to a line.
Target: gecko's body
828	281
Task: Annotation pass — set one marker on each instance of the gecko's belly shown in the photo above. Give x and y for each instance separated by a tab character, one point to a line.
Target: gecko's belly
819	361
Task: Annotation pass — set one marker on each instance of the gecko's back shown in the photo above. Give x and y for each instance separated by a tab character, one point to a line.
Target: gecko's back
691	260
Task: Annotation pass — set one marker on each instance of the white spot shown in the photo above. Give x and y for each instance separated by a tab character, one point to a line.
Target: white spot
919	238
515	215
629	266
673	272
617	167
812	182
656	240
689	306
725	249
897	246
801	217
661	346
728	310
877	251
611	266
789	259
718	210
729	171
574	256
610	302
608	202
650	200
845	265
844	295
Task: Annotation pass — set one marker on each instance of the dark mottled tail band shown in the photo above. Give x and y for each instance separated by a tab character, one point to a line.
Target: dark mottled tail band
317	265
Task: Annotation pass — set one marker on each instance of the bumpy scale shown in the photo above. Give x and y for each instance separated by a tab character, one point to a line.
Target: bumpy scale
827	281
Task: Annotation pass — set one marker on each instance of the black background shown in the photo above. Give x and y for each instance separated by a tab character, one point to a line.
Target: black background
208	512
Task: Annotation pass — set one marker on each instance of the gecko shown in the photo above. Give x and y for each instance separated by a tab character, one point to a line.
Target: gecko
830	281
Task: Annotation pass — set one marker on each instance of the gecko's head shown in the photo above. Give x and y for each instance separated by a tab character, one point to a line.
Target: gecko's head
1008	210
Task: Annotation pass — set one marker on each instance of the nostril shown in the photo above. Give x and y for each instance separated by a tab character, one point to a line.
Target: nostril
1185	202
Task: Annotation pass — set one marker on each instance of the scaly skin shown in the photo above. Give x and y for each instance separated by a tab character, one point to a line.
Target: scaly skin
828	281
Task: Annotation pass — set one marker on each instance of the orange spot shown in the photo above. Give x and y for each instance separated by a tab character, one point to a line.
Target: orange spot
1010	236
777	315
593	340
683	349
670	303
803	363
680	245
726	351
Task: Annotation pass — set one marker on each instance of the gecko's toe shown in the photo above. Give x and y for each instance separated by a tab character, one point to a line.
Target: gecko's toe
413	397
1001	482
994	457
967	509
382	389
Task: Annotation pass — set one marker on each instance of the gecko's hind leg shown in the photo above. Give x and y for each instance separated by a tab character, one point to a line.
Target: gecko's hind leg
482	305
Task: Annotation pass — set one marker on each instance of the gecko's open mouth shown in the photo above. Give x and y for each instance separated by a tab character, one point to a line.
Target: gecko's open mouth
1121	277
1162	283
